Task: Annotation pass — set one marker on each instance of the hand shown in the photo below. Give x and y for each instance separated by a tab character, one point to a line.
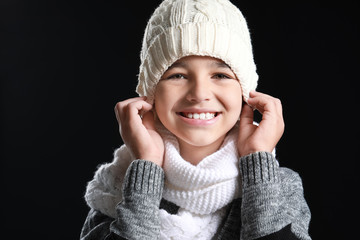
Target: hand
264	137
138	133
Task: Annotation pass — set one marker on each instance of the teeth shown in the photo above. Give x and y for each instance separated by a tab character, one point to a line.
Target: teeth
202	116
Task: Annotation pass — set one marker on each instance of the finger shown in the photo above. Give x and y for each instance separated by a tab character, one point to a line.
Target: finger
130	100
129	117
137	109
264	102
257	103
117	114
275	101
132	107
256	94
120	105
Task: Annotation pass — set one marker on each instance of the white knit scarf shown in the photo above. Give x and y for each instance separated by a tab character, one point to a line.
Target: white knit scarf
202	191
206	187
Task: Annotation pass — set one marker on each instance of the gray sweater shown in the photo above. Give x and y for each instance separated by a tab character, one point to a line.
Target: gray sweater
272	205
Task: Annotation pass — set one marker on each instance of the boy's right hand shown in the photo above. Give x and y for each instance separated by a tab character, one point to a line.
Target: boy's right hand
138	133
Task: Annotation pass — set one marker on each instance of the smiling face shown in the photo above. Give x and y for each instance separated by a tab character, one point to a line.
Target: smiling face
199	100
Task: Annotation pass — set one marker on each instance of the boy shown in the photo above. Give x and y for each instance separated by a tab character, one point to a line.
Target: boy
194	166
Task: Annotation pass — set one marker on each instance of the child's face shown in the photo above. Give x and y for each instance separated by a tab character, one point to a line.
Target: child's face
199	100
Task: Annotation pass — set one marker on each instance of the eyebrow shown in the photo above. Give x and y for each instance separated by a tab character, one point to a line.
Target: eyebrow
220	65
178	64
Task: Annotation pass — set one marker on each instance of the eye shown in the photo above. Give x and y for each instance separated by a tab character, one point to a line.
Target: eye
176	76
221	76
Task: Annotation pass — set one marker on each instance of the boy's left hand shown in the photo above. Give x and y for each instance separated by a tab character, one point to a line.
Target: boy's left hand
264	137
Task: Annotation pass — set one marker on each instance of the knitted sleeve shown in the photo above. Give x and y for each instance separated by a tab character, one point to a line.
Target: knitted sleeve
273	204
138	212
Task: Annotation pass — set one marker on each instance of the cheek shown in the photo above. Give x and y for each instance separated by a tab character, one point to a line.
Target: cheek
233	100
236	107
163	100
159	101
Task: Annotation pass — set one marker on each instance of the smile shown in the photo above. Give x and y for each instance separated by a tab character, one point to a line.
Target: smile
199	118
198	115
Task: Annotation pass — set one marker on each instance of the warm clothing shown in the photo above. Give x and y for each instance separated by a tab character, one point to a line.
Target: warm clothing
180	28
220	198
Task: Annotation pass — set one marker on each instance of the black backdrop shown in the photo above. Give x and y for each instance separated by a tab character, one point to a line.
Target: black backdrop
64	65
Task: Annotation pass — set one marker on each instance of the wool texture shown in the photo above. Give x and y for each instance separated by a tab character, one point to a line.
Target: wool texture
202	192
180	28
104	191
206	187
187	225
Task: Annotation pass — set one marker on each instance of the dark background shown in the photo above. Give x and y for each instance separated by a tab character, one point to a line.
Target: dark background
65	64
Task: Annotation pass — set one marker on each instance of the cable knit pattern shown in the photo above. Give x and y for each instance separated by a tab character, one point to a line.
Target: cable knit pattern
272	197
272	206
180	28
201	189
202	192
185	225
206	187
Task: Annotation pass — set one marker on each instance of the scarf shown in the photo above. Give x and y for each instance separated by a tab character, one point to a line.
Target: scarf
202	192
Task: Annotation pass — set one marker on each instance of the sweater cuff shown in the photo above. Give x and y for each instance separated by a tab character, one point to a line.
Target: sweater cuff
144	177
259	168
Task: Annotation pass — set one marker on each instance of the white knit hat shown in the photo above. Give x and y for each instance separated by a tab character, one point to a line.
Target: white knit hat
180	28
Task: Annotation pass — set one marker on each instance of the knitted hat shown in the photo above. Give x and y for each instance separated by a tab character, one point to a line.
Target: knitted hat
180	28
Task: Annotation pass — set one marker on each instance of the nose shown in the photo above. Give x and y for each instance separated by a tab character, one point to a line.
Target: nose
199	90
